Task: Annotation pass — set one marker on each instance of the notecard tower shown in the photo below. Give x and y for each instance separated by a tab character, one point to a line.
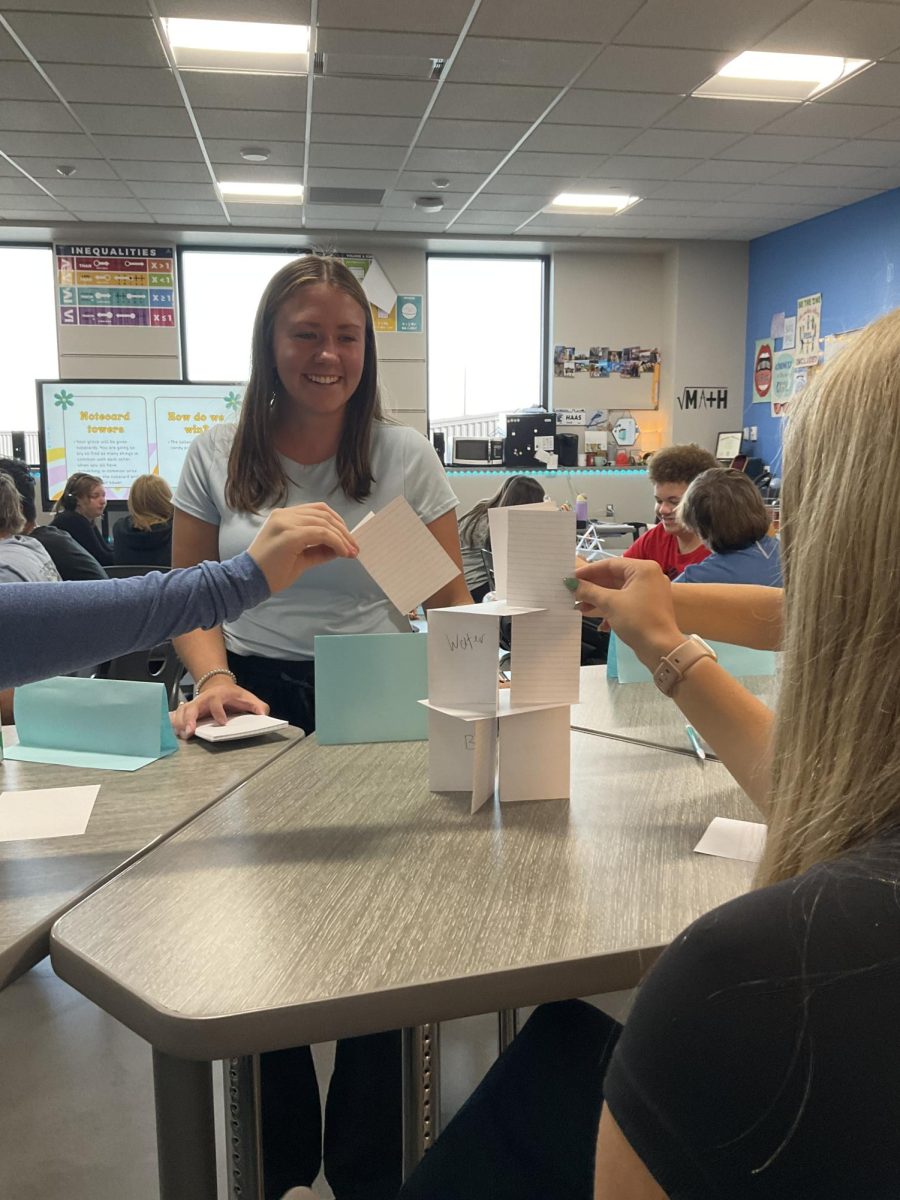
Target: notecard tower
515	741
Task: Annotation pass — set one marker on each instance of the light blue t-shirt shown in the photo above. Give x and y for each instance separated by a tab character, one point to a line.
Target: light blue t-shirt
759	563
339	597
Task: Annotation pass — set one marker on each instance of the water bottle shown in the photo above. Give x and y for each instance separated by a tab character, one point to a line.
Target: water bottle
581	511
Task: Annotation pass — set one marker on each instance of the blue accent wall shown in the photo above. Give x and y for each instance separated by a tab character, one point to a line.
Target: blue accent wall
851	256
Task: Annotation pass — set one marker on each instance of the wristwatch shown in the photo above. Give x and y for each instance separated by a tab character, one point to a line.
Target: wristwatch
674	666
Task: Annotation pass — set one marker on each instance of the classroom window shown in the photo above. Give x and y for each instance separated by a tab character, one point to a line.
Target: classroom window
28	322
486	336
221	291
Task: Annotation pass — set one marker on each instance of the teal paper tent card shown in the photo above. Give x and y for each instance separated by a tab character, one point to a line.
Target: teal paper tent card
111	724
368	688
623	664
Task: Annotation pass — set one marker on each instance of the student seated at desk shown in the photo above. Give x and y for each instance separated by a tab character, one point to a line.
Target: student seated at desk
475	530
78	509
144	537
22	559
725	509
762	1057
669	543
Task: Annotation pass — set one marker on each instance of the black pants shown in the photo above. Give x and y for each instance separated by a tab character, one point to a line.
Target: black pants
529	1131
363	1147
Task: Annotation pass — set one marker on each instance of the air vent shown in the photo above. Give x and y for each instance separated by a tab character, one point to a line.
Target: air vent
337	195
378	66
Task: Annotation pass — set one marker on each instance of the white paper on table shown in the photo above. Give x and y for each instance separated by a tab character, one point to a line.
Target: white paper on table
463	652
498	523
546	657
245	725
46	812
540	555
406	561
727	838
535	755
378	288
461	756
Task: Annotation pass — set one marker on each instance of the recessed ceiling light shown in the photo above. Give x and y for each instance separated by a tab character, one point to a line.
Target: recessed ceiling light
251	46
429	203
595	204
756	75
441	182
255	154
261	193
65	170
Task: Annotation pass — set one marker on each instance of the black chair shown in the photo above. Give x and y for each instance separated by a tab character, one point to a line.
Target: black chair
122	571
159	665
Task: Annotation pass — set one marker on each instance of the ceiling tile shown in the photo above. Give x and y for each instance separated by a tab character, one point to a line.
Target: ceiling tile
162	149
114	84
55	38
194	208
475	135
705	24
857	30
646	168
536	186
681	189
389	44
17	185
128	8
9	49
743	208
86	206
586	139
864	152
423	181
680	143
481	230
177	172
271	93
405	16
145	189
325	155
491	202
278	11
20	81
554	165
890	131
729	116
291	212
283	154
36	116
45	168
376	97
780	193
584	106
876	85
64	189
405	200
343	212
834	120
820	175
594	22
445	162
134	120
718	170
631	68
12	206
492	102
253	126
259	222
500	60
365	130
347	177
765	147
66	145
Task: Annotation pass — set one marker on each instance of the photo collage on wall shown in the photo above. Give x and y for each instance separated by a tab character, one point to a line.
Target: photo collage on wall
600	362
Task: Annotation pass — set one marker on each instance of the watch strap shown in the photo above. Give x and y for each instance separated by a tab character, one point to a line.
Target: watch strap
674	666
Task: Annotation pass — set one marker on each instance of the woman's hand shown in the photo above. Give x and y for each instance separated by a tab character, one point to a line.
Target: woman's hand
294	539
635	598
217	700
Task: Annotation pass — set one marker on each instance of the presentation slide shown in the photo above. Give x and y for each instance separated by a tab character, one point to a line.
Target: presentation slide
121	430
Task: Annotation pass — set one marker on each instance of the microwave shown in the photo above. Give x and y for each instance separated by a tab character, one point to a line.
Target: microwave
476	452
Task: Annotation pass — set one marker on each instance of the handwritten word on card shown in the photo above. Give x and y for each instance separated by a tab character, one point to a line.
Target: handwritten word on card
463	651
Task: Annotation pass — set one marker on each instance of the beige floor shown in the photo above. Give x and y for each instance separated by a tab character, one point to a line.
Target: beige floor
76	1114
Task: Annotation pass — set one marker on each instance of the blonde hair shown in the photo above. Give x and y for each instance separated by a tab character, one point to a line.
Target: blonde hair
836	754
12	518
149	502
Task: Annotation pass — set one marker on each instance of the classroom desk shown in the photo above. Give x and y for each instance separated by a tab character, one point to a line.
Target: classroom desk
639	712
334	895
134	811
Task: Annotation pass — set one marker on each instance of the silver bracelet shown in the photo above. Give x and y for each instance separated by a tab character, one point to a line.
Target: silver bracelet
209	674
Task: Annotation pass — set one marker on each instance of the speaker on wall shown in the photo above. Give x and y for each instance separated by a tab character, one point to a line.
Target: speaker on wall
438	440
567	449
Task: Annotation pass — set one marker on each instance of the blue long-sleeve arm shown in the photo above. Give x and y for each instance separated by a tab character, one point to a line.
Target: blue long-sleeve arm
52	628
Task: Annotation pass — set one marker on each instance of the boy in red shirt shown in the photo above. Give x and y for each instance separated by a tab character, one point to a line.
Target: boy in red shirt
670	544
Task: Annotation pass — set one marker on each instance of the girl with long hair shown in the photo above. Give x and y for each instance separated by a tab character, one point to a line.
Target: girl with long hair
78	509
475	533
144	537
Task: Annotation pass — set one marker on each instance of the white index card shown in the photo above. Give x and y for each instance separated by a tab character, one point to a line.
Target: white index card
498	523
46	812
406	561
727	838
378	288
461	755
535	753
540	555
463	652
244	725
546	657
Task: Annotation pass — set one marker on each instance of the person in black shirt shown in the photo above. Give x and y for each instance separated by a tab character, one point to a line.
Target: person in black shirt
761	1060
71	560
144	537
82	502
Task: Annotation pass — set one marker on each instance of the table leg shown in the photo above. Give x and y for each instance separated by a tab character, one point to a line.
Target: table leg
243	1128
507	1027
421	1092
185	1129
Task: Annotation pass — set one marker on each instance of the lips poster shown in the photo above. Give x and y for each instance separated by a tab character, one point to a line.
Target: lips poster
762	371
809	320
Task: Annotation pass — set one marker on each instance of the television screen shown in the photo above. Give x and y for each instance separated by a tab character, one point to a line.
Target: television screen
119	430
728	445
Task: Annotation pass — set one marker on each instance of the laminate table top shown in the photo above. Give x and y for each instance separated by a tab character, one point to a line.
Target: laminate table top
334	895
639	712
134	811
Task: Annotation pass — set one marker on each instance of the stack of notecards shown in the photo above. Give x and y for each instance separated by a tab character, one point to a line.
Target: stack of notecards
246	725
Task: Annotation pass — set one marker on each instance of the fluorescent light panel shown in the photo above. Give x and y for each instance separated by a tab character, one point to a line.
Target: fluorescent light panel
607	204
254	47
261	193
757	75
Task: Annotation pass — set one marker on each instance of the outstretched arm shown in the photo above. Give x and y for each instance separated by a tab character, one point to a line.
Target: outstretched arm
740	613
